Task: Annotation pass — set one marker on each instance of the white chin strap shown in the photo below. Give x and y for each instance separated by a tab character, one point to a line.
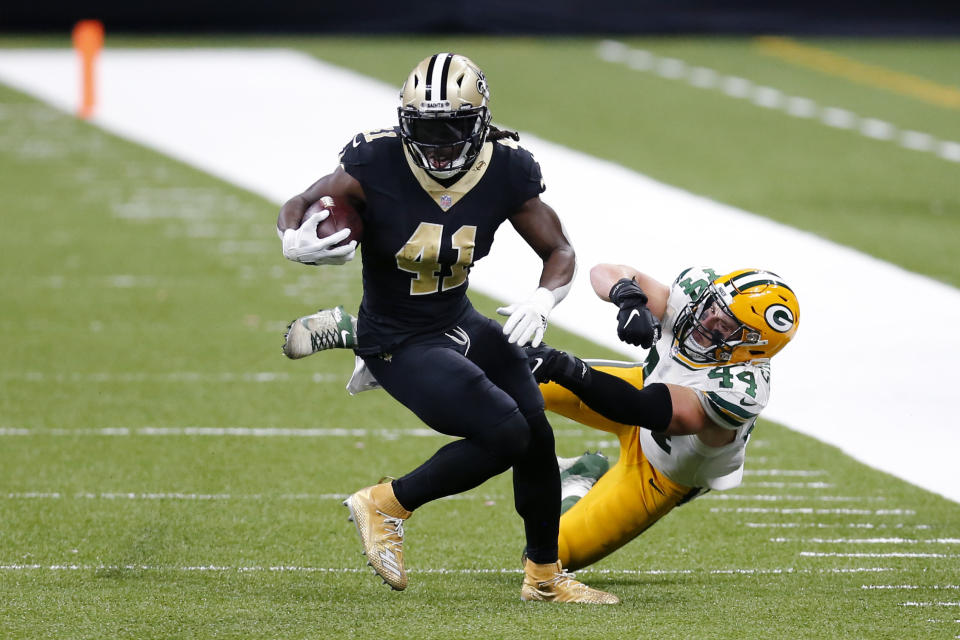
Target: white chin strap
443	175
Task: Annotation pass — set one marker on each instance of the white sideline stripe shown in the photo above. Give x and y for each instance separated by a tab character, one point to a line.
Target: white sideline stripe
832	525
803	473
233	127
252	432
771	98
788	498
869	540
823	554
299	569
811	510
909	586
930	604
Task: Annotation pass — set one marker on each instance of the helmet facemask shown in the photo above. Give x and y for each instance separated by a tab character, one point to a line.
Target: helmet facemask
725	333
444	143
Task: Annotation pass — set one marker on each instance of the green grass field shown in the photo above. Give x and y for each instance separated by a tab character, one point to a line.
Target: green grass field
145	491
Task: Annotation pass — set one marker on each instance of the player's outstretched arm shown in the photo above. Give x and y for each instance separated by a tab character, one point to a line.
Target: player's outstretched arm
299	235
670	409
538	224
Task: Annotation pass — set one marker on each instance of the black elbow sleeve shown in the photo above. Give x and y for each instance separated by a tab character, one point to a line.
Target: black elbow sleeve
618	400
657	406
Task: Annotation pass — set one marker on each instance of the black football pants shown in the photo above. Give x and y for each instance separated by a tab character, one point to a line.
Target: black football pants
471	383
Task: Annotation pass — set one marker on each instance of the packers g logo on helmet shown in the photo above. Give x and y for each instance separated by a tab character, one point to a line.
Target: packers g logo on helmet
779	318
443	112
765	309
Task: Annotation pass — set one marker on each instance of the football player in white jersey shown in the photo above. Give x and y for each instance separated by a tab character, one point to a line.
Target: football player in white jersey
684	416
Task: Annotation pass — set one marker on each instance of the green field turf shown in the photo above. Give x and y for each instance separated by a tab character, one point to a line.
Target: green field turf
142	311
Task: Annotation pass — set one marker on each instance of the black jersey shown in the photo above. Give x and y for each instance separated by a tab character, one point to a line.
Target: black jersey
420	239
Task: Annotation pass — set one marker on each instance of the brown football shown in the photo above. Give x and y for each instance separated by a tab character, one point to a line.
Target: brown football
342	216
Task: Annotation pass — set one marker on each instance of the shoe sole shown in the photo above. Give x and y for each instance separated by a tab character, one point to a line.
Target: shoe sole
356	525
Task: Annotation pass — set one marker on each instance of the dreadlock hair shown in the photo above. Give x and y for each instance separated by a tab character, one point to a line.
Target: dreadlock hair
496	133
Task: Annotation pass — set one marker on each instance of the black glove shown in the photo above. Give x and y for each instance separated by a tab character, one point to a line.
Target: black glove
636	324
551	365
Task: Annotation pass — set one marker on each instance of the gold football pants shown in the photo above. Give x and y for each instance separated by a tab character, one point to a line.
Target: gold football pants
627	499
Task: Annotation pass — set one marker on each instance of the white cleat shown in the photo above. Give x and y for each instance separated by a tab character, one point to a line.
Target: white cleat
325	329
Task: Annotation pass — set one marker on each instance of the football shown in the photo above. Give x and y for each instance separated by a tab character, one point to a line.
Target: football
342	216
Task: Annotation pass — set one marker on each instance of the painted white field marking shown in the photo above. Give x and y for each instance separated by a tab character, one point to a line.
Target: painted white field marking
930	604
833	525
247	432
894	554
174	496
772	98
145	377
233	127
910	586
788	485
788	498
834	64
869	540
811	510
441	571
802	473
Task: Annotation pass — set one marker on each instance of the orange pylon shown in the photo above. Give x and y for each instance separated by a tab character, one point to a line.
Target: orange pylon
88	41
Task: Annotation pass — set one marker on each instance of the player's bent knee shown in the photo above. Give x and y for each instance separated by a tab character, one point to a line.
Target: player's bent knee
509	438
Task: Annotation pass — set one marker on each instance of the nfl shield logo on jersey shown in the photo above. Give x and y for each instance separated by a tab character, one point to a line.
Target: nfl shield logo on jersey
446	201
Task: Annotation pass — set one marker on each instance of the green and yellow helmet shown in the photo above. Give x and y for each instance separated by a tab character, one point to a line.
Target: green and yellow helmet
764	309
444	114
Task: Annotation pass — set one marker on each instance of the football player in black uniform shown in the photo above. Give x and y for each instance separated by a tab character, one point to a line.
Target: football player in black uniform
431	193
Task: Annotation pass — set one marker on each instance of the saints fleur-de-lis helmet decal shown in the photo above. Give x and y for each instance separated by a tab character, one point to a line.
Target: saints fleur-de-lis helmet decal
444	113
765	315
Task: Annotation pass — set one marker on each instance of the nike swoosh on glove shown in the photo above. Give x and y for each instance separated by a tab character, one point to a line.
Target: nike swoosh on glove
636	324
552	365
302	244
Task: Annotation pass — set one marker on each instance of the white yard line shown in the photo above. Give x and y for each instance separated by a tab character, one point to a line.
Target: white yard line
245	432
803	473
832	525
811	510
787	497
894	554
934	587
200	497
947	541
220	110
12	567
152	378
773	98
789	485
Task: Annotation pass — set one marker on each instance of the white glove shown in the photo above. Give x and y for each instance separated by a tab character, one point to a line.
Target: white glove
528	319
303	245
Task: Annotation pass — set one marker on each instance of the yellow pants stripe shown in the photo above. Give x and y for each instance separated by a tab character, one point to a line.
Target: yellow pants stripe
627	500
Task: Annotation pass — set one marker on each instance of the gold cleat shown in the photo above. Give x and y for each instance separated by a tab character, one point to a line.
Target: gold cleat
379	519
551	583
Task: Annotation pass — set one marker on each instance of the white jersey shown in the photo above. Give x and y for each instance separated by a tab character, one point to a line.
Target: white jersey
731	394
